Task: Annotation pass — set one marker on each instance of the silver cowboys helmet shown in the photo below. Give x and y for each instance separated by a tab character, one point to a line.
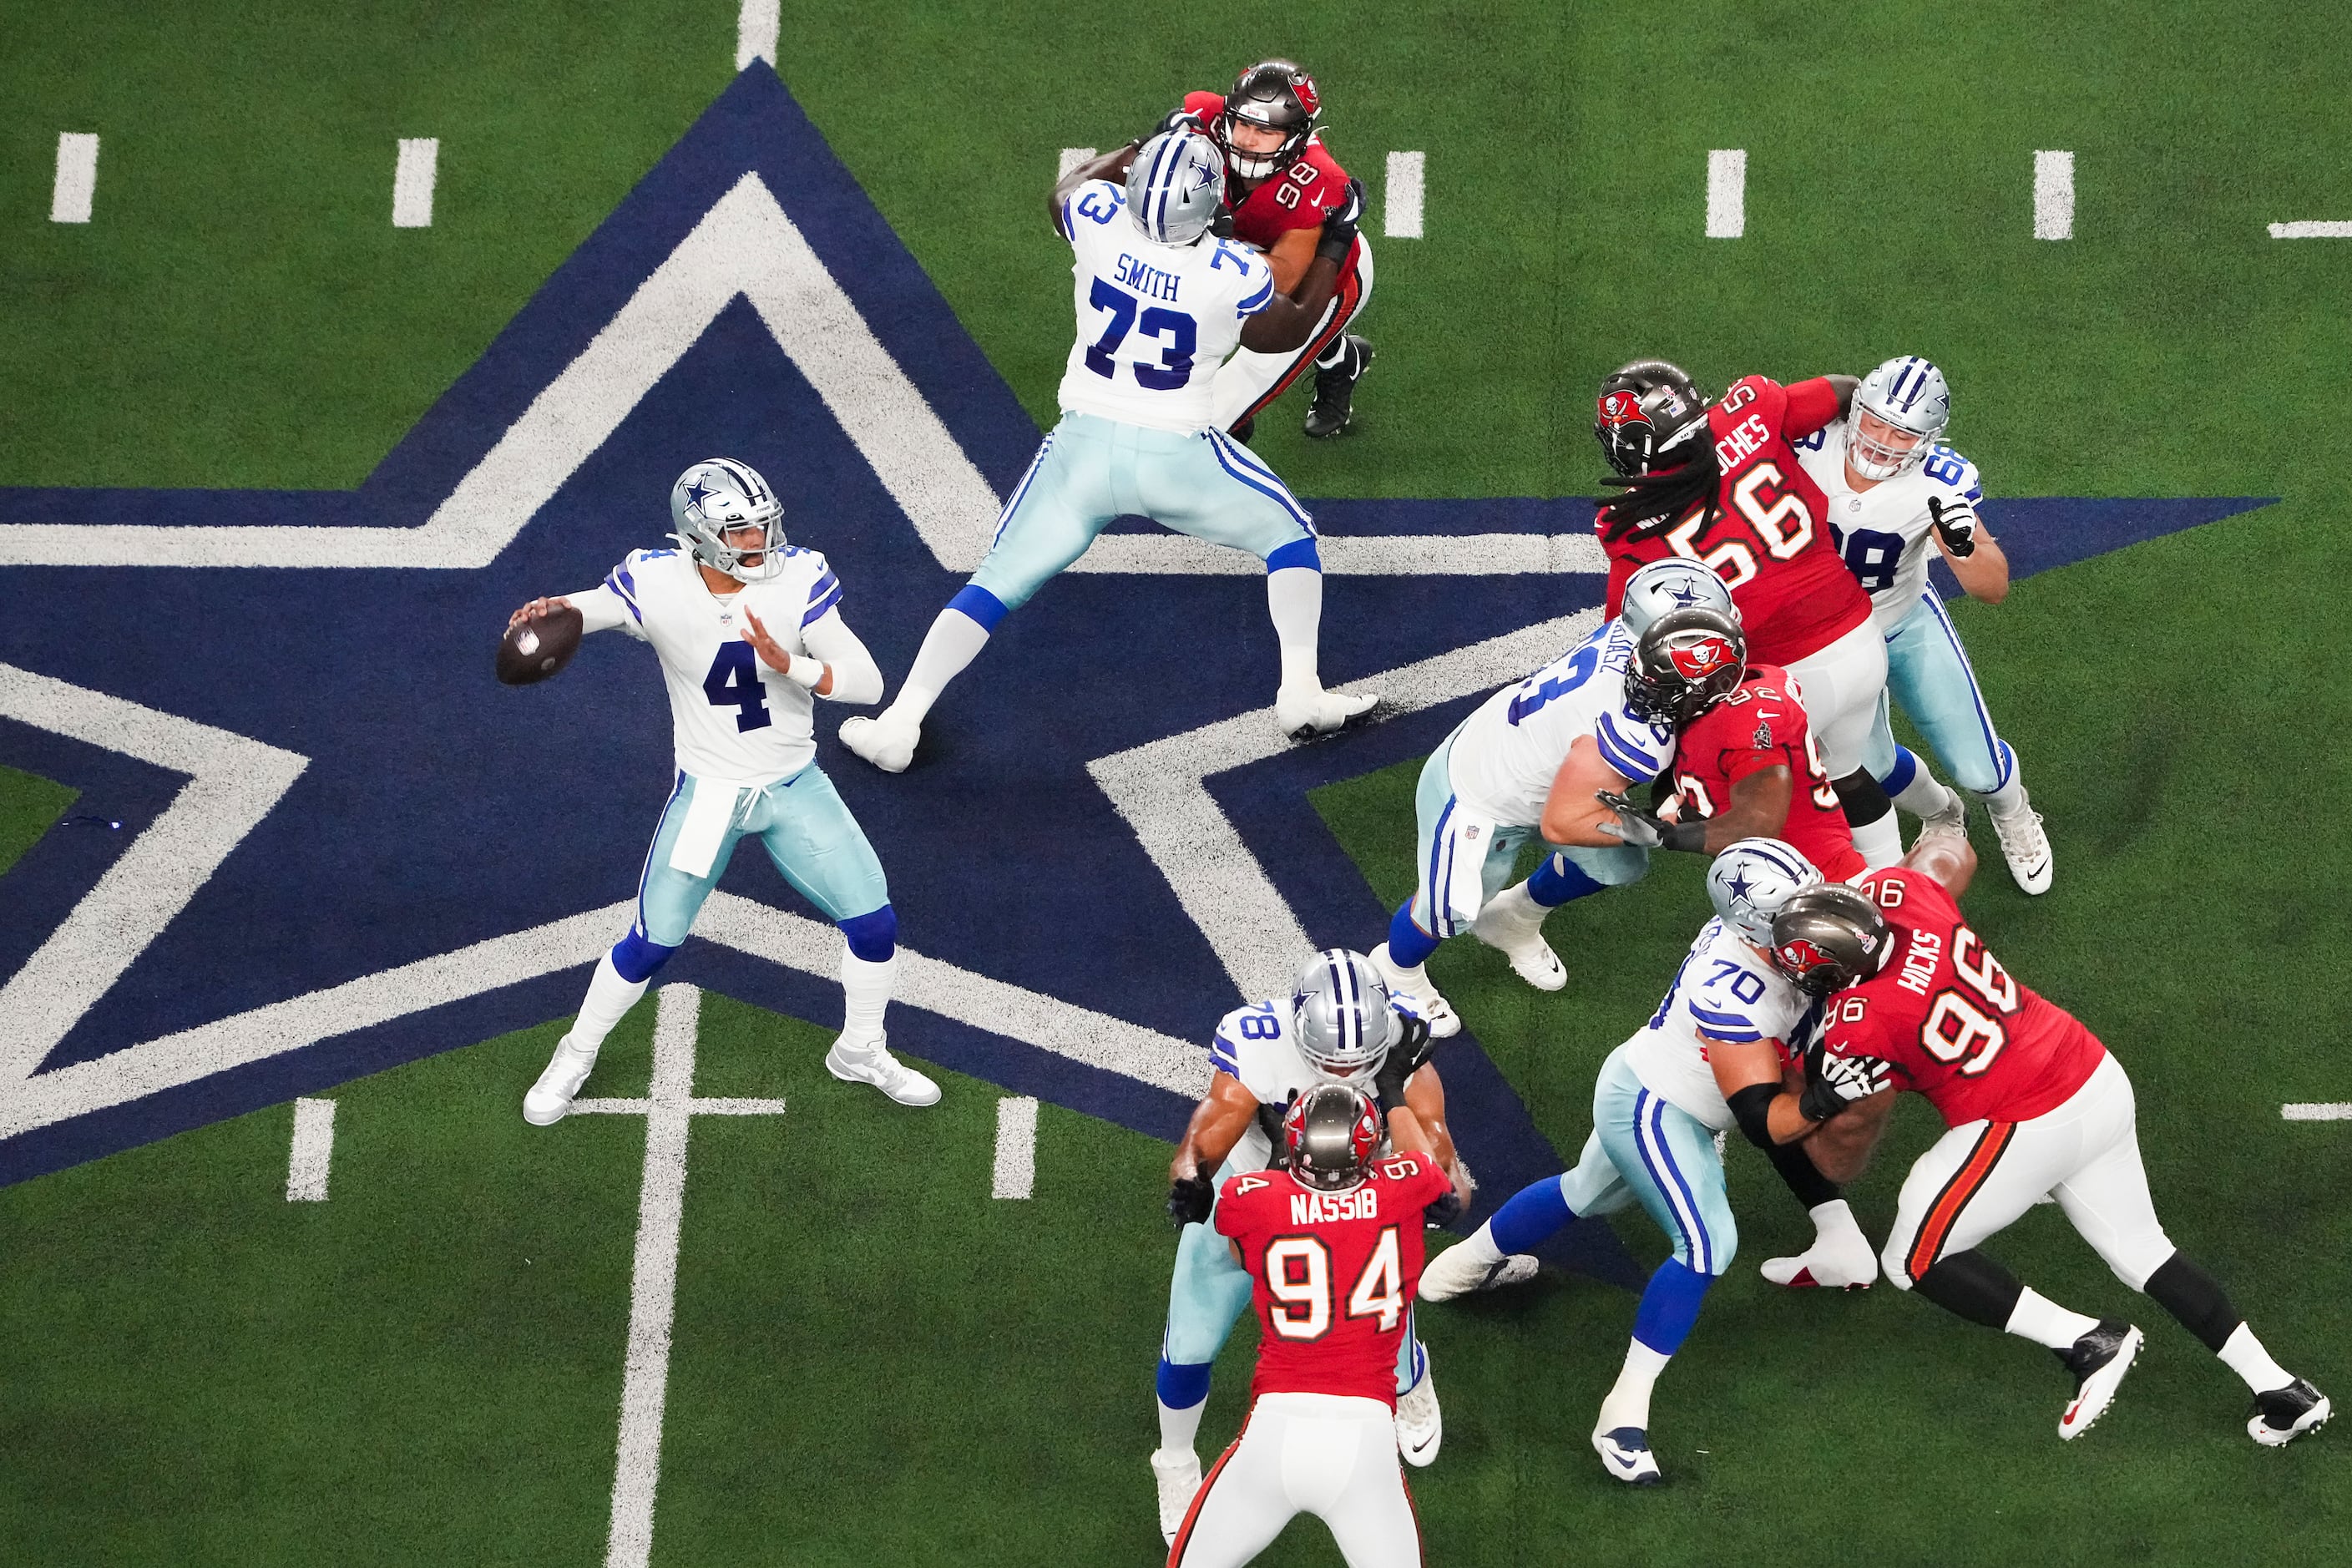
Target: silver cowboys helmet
1908	395
1175	186
716	496
1665	586
1751	880
1342	1015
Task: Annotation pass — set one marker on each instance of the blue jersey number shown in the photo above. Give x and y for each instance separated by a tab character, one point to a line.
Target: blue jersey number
1260	1024
1100	205
1746	984
734	682
1944	465
1181	332
1873	557
1579	670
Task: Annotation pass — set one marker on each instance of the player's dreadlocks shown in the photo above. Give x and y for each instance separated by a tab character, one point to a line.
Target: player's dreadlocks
1647	504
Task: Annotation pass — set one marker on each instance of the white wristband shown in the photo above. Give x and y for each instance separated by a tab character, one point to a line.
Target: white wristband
806	670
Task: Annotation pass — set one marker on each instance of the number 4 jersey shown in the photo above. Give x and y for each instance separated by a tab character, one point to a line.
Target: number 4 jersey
1949	1018
1154	321
1331	1274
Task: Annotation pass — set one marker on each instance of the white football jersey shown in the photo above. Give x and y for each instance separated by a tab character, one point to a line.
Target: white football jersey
1725	990
1883	531
1254	1045
731	717
1155	321
1506	753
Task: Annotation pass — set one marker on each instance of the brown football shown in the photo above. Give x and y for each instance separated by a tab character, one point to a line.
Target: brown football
535	648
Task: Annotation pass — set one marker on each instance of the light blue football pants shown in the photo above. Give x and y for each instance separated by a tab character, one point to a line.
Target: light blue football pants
1440	846
1209	1292
1661	1157
805	826
1090	470
1928	672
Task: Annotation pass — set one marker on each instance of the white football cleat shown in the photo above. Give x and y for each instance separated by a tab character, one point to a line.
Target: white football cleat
1512	924
1420	1425
2285	1414
888	744
873	1064
1954	820
1302	712
2025	846
1832	1262
550	1099
2098	1360
1625	1453
1414	986
1178	1473
1459	1270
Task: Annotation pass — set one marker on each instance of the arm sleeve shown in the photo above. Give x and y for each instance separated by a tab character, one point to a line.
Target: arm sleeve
603	608
1637	751
1811	405
855	676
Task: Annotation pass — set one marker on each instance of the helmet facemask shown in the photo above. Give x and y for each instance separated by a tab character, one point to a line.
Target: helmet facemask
1273	95
1872	455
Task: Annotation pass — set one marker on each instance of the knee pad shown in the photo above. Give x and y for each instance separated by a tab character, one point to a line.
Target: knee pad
1866	800
635	956
872	937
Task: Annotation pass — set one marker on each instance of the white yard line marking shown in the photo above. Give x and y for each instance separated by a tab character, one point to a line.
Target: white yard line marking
668	1108
1400	197
77	182
412	182
314	1147
2054	195
1016	1148
2328	1111
1071	158
1727	192
1161	790
1371	555
755	32
2322	229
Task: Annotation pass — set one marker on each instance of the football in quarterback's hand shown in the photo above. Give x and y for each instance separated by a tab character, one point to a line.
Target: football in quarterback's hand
538	646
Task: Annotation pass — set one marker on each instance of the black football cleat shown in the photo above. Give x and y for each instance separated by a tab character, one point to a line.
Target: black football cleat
2285	1414
1335	389
2098	1360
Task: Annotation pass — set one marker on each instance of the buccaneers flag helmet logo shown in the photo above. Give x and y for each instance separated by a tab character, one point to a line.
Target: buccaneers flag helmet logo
1703	658
1621	407
1800	955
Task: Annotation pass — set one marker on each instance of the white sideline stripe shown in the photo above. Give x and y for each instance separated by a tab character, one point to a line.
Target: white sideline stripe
2054	195
1358	555
698	1106
2320	228
1727	192
412	182
1161	789
2327	1111
1016	1148
755	32
1071	158
76	181
314	1147
1400	197
232	782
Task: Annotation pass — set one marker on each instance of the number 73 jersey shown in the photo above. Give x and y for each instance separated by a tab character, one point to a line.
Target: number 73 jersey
1155	321
1950	1020
1331	1274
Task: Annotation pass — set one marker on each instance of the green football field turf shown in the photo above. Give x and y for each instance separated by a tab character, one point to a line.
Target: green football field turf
876	1363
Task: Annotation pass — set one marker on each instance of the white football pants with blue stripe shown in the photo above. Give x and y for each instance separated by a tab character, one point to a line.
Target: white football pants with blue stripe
1928	672
1644	1150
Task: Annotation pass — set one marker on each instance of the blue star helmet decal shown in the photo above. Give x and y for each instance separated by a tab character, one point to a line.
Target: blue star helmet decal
1738	885
315	881
698	492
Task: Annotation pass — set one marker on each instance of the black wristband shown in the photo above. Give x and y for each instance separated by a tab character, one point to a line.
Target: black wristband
1751	1108
1820	1101
1690	837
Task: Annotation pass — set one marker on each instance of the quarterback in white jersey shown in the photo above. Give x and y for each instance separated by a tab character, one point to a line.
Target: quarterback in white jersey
1532	760
1898	497
1162	302
749	632
1339	1026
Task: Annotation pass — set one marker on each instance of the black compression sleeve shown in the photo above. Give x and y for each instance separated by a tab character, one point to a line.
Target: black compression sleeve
1803	1177
1752	1107
1688	835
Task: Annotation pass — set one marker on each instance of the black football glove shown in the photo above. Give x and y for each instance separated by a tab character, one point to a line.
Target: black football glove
1189	1201
1956	525
1174	120
1643	831
1407	1054
1835	1082
1339	225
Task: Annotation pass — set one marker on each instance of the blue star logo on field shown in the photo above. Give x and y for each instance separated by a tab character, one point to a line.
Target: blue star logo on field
348	847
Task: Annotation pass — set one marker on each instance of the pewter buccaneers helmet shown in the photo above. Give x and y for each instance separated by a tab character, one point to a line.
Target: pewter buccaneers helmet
1909	393
1342	1017
1330	1136
1752	880
1648	413
719	494
1826	937
1685	663
1664	586
1278	95
1175	187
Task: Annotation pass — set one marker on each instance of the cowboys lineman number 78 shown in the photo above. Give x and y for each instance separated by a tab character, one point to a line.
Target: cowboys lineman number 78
749	632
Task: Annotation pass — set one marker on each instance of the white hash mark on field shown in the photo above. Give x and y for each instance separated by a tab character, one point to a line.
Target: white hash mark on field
1400	197
313	1149
1071	158
1727	192
2054	195
412	173
756	26
2326	1110
76	179
1015	1175
2312	229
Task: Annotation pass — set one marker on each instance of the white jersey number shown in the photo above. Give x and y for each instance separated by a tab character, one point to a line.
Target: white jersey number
1298	1277
1781	521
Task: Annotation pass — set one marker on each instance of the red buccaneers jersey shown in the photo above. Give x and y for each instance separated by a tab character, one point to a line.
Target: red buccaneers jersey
1768	541
1331	1274
1295	197
1763	725
1949	1018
